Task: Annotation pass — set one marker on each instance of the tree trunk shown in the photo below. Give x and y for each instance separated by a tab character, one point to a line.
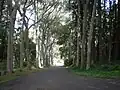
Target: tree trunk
27	49
110	36
84	34
117	35
51	56
37	37
78	32
77	62
99	31
21	50
42	48
90	37
12	14
69	55
93	49
39	56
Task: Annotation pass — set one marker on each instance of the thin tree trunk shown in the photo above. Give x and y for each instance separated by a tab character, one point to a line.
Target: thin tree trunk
51	56
12	15
39	56
21	50
78	50
42	48
117	34
37	36
110	39
69	55
78	32
99	32
103	51
90	37
84	34
9	48
110	50
27	48
93	50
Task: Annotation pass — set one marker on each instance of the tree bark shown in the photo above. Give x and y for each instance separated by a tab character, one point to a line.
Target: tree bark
110	36
78	32
84	34
21	50
69	55
117	35
12	15
99	32
90	37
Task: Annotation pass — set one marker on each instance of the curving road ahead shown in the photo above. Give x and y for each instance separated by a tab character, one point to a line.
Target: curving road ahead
58	78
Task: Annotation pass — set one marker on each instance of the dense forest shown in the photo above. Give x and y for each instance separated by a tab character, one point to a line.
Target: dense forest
92	37
87	32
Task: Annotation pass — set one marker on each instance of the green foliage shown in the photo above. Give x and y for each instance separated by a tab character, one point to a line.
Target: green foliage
104	71
63	38
109	67
63	35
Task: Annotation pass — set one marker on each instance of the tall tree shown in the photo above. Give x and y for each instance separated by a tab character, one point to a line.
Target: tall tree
12	16
84	33
90	37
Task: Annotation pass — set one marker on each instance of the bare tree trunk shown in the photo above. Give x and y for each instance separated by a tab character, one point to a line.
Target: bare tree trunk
90	37
99	31
10	32
69	55
93	56
51	56
84	34
26	36
78	36
42	48
37	46
39	56
21	50
78	50
37	36
27	48
110	50
117	34
12	15
110	36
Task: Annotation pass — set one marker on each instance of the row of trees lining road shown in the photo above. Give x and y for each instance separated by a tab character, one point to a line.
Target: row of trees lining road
91	35
27	36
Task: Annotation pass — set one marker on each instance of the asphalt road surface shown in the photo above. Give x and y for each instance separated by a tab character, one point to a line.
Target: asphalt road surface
58	78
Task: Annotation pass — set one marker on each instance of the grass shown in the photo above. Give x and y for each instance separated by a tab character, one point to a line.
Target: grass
97	73
16	74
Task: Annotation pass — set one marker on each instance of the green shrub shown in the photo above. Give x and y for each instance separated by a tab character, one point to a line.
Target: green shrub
108	67
103	71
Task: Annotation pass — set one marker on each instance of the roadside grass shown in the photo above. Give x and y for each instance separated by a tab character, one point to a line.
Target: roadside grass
97	73
17	74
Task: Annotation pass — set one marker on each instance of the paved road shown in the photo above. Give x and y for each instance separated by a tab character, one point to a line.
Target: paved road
59	79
